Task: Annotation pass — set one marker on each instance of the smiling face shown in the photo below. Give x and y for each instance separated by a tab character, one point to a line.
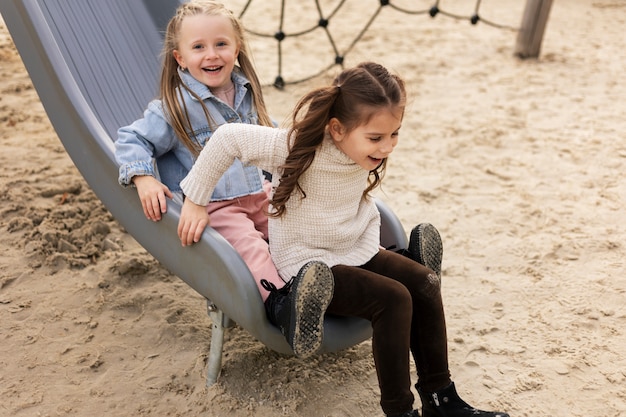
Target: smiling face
208	48
369	143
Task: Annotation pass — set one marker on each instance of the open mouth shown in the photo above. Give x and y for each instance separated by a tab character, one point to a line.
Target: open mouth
377	162
211	69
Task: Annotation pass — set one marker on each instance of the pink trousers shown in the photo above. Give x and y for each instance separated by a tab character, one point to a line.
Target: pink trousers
243	223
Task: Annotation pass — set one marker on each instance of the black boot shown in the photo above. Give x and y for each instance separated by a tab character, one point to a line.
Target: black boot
447	403
413	413
298	308
425	247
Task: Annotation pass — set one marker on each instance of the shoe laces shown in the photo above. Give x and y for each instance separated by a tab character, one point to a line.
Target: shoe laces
269	286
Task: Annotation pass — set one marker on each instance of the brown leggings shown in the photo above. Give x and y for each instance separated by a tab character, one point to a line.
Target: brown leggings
402	299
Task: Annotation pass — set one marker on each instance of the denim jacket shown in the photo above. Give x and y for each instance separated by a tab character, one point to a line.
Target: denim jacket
152	138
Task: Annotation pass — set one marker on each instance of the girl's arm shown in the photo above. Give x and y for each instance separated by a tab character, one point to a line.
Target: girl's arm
135	148
140	142
264	147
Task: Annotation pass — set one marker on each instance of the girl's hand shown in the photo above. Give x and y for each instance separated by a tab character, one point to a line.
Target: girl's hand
193	220
152	194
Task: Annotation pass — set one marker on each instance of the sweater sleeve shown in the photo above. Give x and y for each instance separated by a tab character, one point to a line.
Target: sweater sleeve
264	147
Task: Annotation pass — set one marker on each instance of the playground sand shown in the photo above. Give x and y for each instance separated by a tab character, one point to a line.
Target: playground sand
520	165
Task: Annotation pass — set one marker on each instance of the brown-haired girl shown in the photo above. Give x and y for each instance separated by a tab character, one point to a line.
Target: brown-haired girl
324	168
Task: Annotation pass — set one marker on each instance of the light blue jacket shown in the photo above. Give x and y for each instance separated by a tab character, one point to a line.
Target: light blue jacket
152	138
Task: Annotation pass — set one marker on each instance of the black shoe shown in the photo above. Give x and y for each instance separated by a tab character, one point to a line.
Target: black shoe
298	308
413	413
447	403
425	247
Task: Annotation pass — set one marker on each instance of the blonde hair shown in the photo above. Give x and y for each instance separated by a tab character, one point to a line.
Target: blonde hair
171	86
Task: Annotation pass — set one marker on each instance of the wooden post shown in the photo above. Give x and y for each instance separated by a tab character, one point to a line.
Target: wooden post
533	25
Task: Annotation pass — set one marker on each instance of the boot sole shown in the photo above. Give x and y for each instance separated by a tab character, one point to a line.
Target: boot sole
313	289
425	244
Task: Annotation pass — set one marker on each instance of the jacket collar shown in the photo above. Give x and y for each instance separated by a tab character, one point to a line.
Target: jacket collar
240	81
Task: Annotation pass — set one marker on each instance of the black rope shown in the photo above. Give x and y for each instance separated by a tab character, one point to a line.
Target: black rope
360	35
323	22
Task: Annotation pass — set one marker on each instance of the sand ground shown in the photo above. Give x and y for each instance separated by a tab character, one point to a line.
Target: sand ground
519	164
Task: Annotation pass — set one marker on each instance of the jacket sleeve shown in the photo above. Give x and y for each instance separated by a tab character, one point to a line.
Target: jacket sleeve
139	143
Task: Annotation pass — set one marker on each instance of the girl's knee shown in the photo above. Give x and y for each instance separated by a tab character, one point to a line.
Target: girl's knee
427	284
397	296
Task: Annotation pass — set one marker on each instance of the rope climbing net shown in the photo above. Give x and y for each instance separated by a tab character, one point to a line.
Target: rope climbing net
323	21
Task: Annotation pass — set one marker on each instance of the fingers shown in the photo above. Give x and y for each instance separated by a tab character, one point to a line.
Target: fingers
193	220
198	233
153	196
190	232
162	205
183	233
154	206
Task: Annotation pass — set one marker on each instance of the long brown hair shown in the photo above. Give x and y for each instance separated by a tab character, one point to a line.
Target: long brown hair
354	96
171	86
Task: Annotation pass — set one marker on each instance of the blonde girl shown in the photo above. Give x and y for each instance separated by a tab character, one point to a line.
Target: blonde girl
207	80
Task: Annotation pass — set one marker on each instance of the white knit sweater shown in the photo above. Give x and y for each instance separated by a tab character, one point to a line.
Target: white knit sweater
333	224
